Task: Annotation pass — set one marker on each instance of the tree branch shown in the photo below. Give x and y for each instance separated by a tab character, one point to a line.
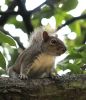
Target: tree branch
38	8
70	21
63	88
26	16
6	15
9	13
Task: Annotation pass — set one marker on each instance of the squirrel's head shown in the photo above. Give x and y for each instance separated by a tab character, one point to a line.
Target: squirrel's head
52	45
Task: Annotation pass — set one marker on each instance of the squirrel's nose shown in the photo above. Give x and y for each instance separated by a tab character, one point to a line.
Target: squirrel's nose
64	49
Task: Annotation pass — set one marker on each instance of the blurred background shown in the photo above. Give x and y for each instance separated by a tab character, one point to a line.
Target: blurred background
18	18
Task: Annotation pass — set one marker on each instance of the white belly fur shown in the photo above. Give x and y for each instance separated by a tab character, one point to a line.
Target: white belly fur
43	62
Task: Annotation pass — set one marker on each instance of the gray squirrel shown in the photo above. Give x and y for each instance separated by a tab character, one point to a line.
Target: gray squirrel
38	59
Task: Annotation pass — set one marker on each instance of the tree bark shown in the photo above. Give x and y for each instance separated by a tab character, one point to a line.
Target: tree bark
68	87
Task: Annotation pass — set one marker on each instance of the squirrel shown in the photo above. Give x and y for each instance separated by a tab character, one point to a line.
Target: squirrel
38	59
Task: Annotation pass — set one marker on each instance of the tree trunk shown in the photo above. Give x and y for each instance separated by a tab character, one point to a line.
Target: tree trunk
68	87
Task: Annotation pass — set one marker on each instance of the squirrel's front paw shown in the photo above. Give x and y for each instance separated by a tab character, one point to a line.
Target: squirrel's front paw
23	76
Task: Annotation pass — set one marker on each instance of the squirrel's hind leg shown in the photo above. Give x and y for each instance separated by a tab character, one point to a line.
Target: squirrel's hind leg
12	73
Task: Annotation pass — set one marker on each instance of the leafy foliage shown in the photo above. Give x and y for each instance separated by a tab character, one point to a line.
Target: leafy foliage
69	5
2	59
6	39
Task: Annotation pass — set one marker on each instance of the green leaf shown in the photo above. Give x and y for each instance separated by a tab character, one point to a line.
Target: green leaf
74	68
2	71
17	24
74	56
36	22
45	12
76	28
2	61
69	4
6	39
81	48
59	16
14	54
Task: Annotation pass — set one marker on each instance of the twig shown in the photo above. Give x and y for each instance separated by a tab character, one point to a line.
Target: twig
71	21
38	8
9	13
6	15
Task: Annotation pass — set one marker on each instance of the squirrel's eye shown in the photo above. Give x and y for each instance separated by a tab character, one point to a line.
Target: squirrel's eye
53	41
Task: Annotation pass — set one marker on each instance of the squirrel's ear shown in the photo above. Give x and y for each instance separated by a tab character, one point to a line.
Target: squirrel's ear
45	36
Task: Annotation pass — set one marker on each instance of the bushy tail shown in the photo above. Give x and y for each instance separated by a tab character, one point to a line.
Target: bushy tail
37	35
